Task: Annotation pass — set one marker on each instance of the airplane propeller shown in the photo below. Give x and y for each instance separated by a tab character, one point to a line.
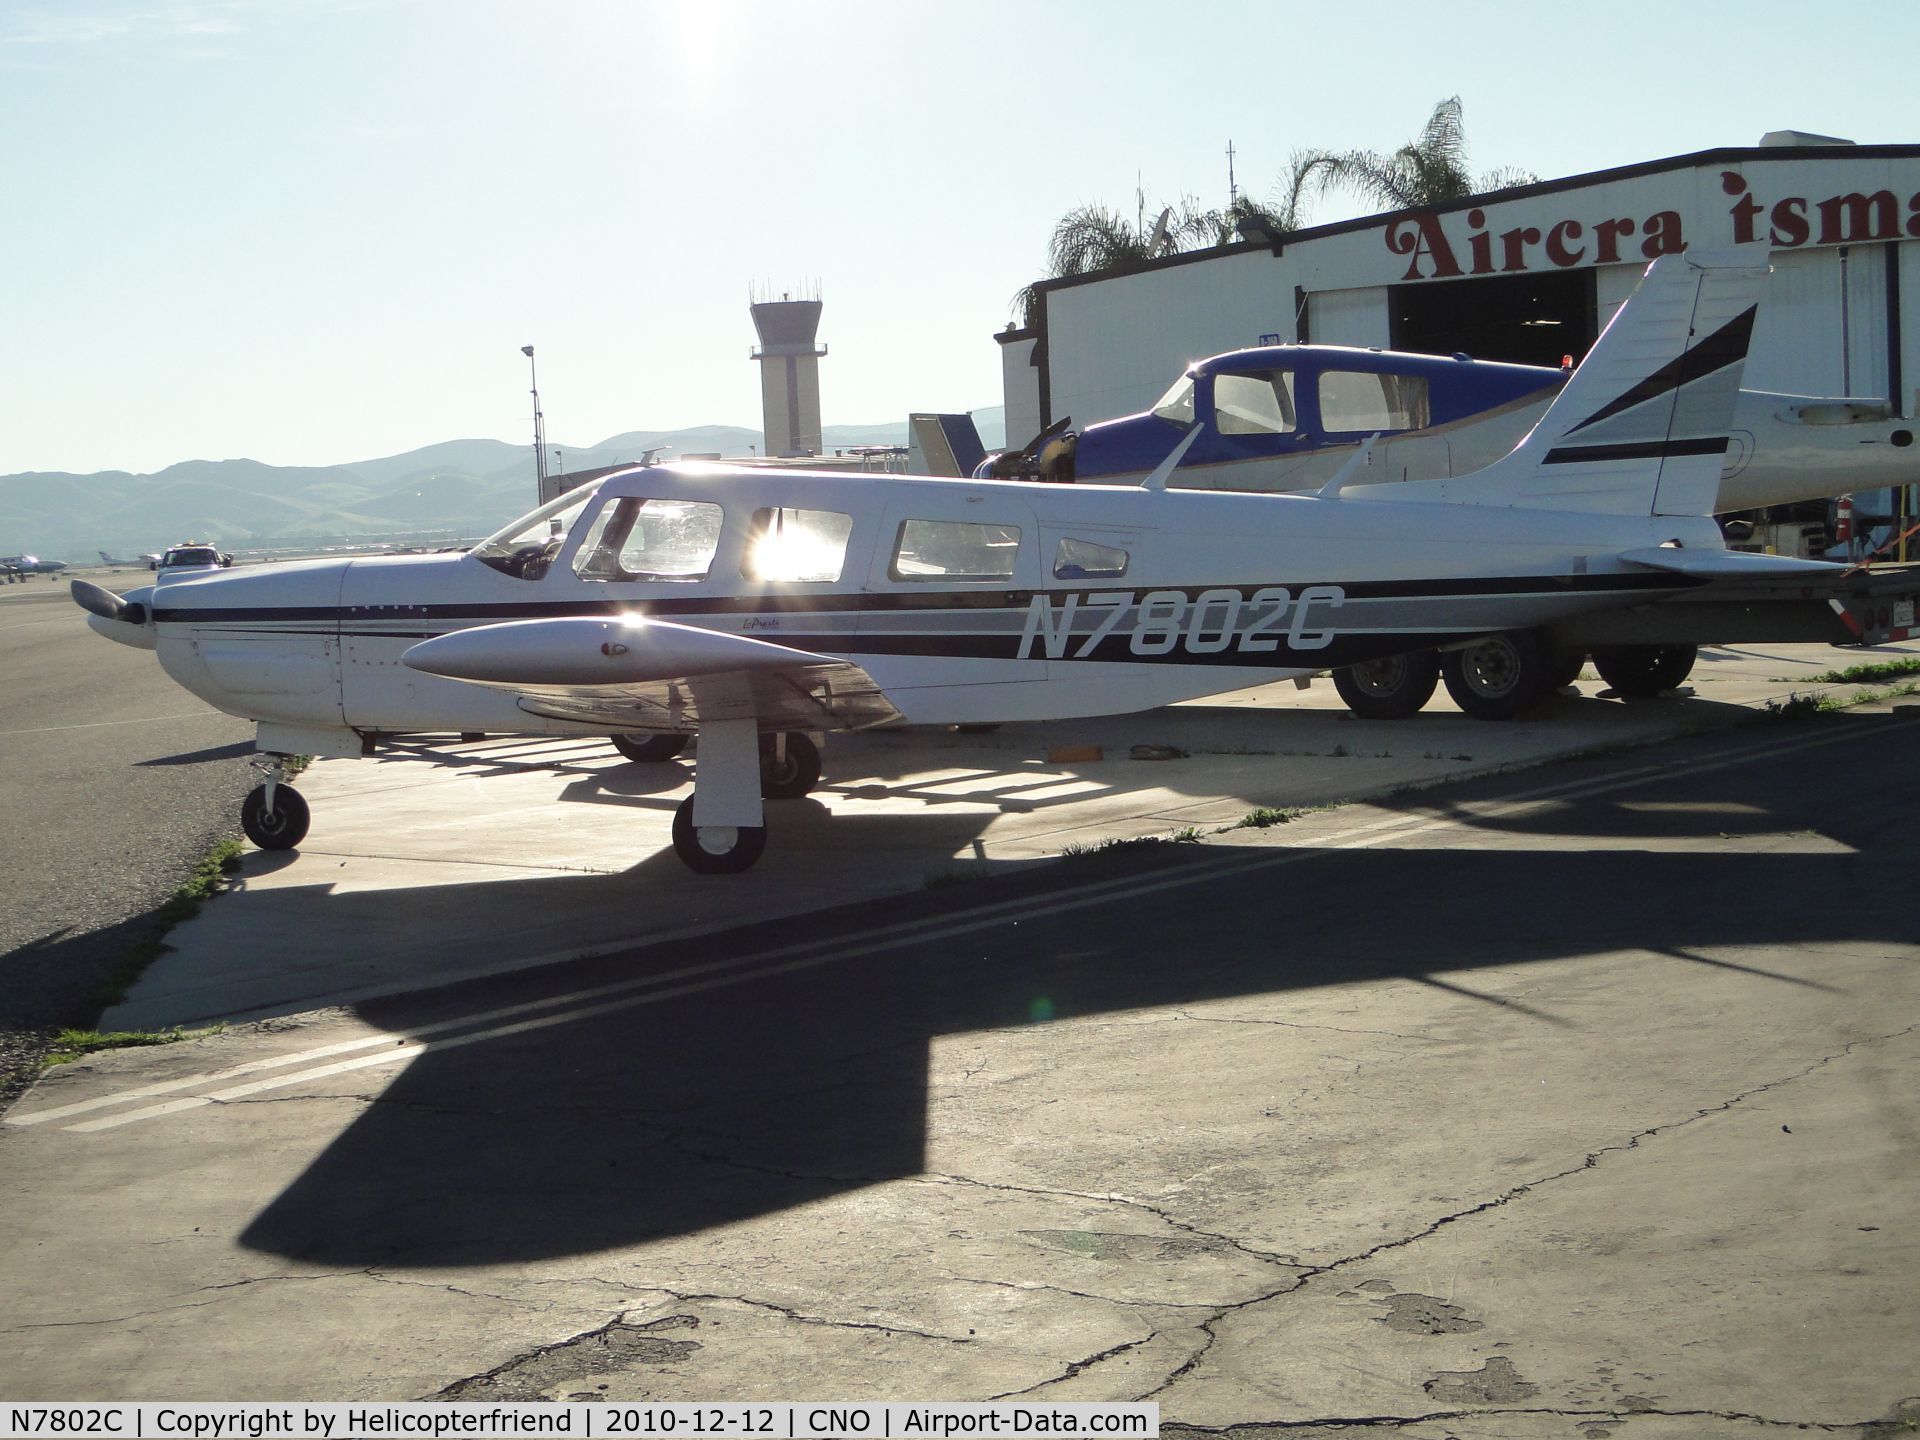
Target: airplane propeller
1026	460
98	600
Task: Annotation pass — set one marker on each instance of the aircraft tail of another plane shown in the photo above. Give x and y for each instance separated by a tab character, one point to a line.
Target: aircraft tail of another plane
1642	427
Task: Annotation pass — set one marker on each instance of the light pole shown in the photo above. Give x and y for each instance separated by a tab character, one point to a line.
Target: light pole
539	429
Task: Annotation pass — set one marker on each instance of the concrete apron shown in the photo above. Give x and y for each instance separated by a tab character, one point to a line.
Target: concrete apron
469	860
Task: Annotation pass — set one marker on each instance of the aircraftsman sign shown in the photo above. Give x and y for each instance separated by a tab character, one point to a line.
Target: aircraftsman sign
1436	252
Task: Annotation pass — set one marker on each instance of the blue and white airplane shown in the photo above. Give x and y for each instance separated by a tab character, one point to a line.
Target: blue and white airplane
759	608
1287	417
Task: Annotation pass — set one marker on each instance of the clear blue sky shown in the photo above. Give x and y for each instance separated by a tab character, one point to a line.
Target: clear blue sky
314	231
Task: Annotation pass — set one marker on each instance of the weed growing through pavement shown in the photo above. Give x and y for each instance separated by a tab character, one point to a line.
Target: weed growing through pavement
181	906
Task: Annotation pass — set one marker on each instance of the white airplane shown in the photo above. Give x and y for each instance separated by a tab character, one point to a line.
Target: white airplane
31	565
759	608
148	561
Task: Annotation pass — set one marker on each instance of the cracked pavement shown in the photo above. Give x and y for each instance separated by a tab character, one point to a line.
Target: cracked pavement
1571	1104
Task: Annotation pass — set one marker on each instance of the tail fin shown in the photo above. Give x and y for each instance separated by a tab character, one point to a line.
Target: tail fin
1642	426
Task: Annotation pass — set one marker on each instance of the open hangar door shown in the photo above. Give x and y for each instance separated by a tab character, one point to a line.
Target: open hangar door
1526	319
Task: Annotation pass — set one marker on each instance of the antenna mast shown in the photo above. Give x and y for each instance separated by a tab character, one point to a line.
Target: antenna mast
539	428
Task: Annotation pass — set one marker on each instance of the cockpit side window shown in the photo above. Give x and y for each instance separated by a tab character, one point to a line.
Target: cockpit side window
789	544
1257	404
1177	404
955	550
651	539
1083	560
1358	400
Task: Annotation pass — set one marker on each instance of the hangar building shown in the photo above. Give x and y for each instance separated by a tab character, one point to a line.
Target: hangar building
1530	274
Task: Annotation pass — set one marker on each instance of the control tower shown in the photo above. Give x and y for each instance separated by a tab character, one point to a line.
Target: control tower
789	374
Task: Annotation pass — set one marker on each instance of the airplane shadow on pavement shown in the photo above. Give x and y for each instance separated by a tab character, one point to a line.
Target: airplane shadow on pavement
745	1099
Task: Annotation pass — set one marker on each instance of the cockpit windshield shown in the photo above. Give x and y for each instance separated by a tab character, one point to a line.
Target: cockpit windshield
527	547
1177	404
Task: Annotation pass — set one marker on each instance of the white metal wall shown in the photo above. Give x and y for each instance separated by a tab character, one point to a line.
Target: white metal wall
1350	317
1822	328
1109	358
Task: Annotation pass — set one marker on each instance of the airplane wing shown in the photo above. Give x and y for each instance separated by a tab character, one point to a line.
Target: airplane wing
637	673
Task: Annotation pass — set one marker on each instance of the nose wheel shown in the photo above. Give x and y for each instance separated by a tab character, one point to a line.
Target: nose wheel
274	815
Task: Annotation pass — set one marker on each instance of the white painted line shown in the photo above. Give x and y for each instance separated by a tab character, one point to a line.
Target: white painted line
110	724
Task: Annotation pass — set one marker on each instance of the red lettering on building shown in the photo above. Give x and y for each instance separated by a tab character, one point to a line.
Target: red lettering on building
1425	241
1608	233
1845	219
1664	235
1787	222
1557	239
1790	226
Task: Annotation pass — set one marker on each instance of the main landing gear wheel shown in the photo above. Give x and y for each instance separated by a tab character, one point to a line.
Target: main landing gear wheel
282	827
1499	677
715	849
1642	671
789	775
1389	689
651	749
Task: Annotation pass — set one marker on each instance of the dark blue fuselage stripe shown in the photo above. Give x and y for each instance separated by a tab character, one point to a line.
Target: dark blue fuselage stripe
484	613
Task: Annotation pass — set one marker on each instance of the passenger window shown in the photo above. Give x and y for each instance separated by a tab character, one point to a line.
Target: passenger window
786	544
955	550
1084	560
1177	404
651	539
1254	404
1359	400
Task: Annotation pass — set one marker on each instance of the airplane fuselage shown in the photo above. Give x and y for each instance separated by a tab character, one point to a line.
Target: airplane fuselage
964	600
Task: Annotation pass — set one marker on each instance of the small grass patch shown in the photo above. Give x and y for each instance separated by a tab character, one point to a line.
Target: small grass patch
70	1045
182	905
1874	674
1265	816
1123	845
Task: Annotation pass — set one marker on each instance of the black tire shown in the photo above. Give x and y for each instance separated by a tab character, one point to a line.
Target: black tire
1389	689
1499	677
651	749
699	849
1640	672
285	827
794	776
975	727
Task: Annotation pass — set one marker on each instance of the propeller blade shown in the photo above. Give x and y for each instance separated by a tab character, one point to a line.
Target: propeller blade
98	600
1034	445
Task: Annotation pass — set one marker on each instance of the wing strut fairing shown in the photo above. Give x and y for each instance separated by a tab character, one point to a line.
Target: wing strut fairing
642	673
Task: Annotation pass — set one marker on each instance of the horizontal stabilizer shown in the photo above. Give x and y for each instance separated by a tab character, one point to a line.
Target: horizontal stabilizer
579	651
1731	564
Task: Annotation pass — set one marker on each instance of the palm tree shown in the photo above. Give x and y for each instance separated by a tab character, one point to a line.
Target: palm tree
1430	169
1092	238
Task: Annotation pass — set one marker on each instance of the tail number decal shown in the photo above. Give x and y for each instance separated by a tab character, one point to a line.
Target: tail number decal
1163	622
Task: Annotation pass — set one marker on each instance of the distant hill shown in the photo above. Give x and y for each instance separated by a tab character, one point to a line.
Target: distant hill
456	489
